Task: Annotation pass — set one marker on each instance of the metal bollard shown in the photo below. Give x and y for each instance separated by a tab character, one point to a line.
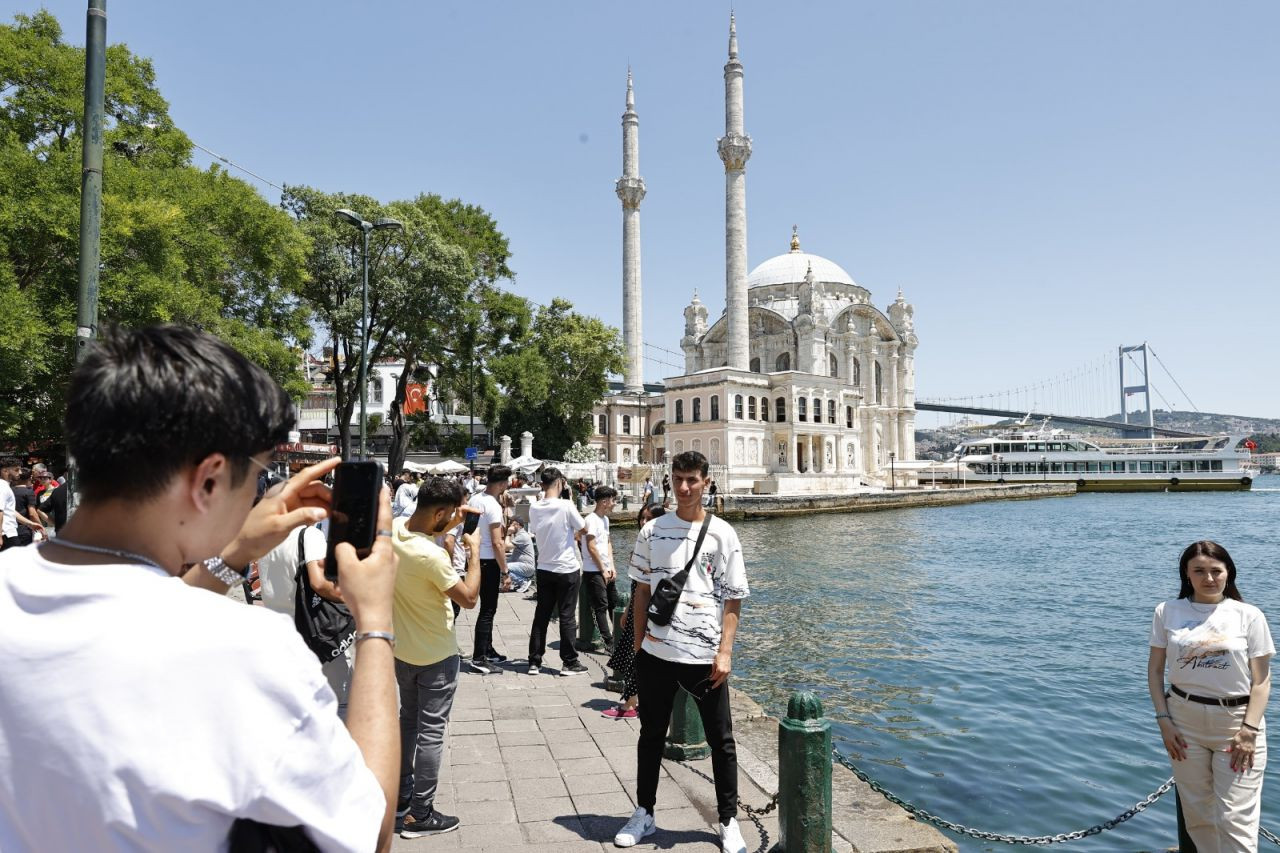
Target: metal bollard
804	777
617	679
588	635
686	739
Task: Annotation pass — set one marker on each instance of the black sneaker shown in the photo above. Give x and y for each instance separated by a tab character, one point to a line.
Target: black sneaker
481	667
494	657
575	668
436	824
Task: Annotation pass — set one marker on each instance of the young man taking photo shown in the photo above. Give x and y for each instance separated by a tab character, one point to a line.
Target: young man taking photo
694	650
169	715
554	522
493	565
597	562
427	662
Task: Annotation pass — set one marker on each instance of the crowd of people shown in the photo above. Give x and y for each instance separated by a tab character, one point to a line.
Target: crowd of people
130	675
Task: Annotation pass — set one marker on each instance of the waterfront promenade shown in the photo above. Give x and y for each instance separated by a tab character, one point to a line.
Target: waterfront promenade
530	765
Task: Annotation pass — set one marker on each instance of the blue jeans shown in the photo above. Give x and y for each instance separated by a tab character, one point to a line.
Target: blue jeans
426	698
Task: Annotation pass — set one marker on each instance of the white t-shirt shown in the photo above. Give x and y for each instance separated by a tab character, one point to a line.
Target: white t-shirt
491	513
553	524
1210	646
163	712
459	556
8	506
278	570
405	501
597	527
663	546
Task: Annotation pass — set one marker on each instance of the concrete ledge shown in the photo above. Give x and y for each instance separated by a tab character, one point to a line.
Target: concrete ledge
768	506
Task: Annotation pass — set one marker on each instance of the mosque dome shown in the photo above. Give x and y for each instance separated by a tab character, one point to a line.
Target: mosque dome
791	268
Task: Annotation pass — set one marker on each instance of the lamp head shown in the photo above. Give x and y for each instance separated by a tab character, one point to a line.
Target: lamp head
350	217
387	222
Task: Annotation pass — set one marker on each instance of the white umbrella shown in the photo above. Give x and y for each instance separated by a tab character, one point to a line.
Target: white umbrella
448	466
524	463
416	467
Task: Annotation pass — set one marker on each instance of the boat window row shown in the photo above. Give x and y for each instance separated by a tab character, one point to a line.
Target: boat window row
1031	447
1140	467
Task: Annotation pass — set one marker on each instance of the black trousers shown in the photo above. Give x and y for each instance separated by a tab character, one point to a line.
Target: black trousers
559	593
604	597
658	681
490	580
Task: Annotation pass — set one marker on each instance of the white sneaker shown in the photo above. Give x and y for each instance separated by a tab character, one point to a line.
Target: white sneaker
640	825
731	838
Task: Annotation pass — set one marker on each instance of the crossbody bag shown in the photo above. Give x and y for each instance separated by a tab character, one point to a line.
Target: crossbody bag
662	604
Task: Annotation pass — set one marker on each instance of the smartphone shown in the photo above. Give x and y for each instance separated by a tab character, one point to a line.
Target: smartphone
353	518
470	523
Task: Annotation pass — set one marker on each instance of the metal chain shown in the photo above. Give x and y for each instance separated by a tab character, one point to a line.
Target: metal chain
917	812
1269	835
753	814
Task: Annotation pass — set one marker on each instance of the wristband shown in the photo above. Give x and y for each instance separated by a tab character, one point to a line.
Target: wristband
377	635
1165	716
1250	728
218	567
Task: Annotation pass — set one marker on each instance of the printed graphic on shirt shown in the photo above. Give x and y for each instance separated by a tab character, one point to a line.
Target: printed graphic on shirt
1207	649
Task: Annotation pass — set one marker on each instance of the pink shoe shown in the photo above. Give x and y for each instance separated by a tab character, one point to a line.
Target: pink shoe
619	713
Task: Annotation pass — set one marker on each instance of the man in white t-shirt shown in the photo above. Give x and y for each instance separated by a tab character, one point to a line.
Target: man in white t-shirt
406	497
8	505
694	650
597	562
132	687
278	574
554	523
493	566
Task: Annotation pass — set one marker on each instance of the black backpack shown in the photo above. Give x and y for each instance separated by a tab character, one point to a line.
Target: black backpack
326	626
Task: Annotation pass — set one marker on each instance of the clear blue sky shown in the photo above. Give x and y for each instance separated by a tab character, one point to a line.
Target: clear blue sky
1044	181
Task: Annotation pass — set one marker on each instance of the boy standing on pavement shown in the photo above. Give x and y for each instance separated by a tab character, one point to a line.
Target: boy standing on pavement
493	565
597	562
554	523
694	650
427	650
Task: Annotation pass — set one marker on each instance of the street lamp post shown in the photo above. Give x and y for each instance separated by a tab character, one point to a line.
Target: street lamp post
893	480
352	218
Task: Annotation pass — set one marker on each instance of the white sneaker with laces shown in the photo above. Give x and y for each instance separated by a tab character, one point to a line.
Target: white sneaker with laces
640	825
731	838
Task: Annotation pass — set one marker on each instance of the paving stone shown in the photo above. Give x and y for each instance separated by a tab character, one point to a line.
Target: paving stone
489	772
617	804
496	836
470	755
487	742
545	809
515	725
470	727
549	711
485	812
471	792
538	752
462	715
560	724
505	713
583	766
593	783
516	770
521	738
558	830
571	748
551	786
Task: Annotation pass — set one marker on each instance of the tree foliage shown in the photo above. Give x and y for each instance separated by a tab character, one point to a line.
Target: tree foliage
179	244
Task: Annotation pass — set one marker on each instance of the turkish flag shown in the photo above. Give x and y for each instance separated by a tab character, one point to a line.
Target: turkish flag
1251	444
415	399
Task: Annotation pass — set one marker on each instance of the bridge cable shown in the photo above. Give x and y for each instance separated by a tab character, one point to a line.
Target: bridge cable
1170	375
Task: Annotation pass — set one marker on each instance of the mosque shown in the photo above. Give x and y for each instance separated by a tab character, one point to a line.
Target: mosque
801	386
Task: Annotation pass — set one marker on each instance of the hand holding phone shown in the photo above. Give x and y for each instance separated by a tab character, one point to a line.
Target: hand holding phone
354	516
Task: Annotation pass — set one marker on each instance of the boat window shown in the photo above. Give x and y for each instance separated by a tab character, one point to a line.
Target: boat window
1035	447
1144	467
1091	467
1017	468
1158	467
1175	466
1217	465
1057	467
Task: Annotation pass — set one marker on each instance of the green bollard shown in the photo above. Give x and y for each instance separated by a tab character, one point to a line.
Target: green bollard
686	739
588	635
617	679
804	777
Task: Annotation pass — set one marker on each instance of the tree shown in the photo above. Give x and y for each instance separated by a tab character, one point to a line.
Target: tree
552	383
179	244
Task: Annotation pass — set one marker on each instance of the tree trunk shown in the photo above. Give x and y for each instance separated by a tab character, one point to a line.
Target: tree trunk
399	434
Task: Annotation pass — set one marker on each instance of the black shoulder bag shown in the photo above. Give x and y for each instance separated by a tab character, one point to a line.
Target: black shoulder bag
662	604
326	626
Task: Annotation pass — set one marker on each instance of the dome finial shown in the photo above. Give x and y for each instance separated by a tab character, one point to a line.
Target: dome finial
795	238
631	95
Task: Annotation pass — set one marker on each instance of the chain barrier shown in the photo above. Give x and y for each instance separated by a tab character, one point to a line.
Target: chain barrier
919	813
753	814
1269	835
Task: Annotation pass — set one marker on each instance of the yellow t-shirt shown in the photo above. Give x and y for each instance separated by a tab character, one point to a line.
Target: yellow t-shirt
422	612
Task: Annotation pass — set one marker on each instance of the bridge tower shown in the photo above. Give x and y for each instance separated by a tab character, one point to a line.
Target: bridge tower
1144	388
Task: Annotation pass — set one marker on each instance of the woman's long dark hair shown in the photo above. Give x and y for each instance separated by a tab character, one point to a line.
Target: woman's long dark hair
654	510
1214	551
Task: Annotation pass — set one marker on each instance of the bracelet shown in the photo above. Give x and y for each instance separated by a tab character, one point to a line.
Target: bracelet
1165	716
1250	727
218	567
377	635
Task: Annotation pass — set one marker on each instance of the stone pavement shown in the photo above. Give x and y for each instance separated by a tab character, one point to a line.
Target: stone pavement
530	765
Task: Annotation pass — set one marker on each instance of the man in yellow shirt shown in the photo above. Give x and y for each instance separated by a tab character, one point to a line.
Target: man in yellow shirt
426	648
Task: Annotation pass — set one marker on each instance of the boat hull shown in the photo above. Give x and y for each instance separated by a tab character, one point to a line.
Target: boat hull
1098	484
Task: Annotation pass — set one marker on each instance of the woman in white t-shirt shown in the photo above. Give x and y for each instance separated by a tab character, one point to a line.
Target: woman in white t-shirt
1218	653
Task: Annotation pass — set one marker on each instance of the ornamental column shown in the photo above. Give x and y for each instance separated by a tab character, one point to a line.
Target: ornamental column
735	150
630	190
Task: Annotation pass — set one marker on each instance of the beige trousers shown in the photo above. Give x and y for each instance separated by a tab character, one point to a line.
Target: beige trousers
1221	807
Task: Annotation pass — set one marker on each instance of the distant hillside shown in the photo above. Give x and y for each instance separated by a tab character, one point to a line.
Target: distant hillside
938	443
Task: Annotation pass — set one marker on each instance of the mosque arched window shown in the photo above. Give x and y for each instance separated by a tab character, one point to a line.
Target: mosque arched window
879	385
831	411
626	424
604	425
715	407
751	408
737	406
781	406
802	409
855	372
764	408
783	362
848	417
817	410
833	364
755	365
697	409
679	411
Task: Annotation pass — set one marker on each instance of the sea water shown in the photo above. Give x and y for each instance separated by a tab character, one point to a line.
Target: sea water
988	661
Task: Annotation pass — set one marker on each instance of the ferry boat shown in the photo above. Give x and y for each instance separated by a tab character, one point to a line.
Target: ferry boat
1033	455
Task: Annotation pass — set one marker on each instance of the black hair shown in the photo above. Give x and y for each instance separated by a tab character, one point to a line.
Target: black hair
438	492
498	473
147	402
10	462
550	475
24	476
690	460
654	511
605	492
1214	551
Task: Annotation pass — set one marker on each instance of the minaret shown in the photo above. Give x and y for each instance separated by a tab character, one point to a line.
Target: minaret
735	149
630	189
